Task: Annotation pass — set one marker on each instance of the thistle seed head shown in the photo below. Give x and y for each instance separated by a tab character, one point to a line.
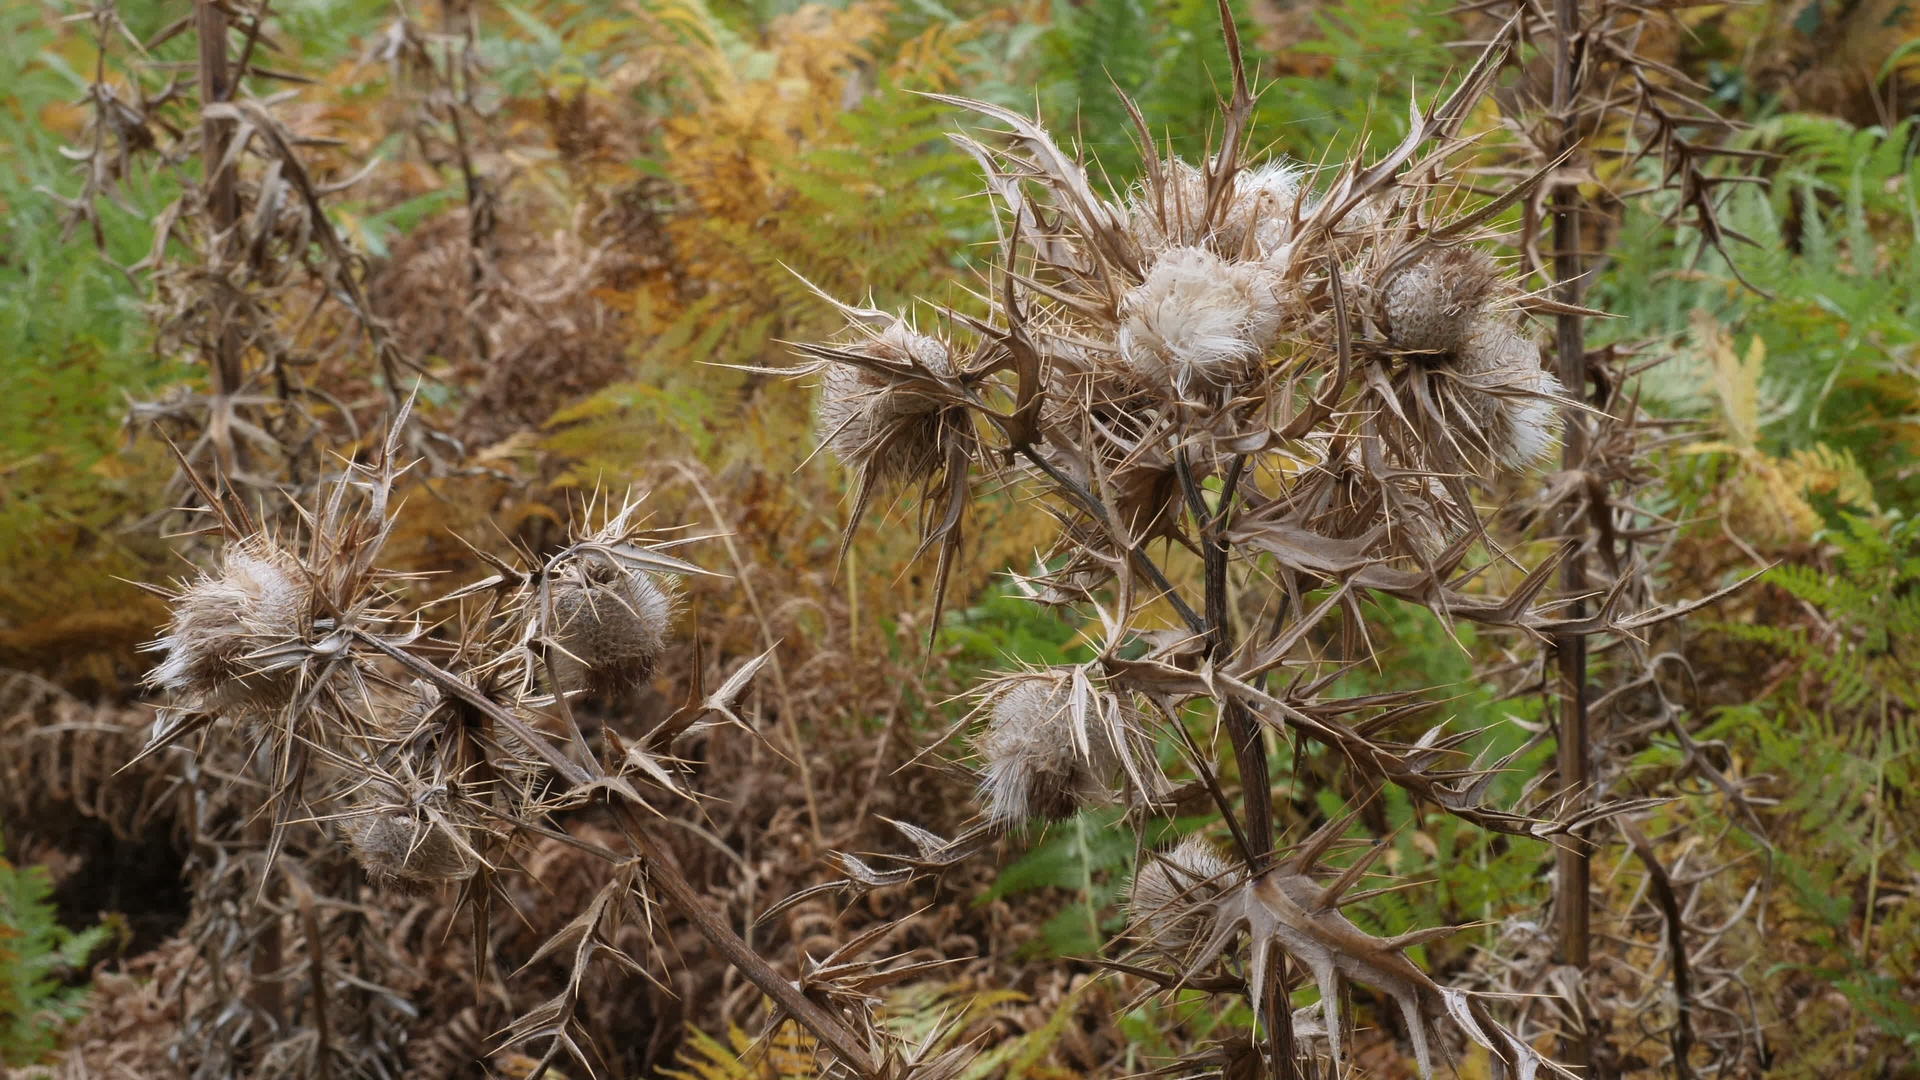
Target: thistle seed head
1256	221
1197	320
614	621
887	428
1259	219
399	844
261	597
1175	215
1167	901
1429	306
1514	396
1034	766
1422	517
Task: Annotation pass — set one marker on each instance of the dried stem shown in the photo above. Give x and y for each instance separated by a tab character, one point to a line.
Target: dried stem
661	868
223	210
1573	859
1091	504
1249	743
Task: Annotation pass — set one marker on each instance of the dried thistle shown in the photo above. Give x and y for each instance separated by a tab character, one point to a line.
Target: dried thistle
1198	321
224	624
1255	221
882	425
1168	896
1429	306
1266	206
615	621
417	843
1516	399
1288	910
1052	745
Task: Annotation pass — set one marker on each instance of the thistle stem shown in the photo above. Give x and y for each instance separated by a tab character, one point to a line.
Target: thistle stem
1249	745
223	212
1573	859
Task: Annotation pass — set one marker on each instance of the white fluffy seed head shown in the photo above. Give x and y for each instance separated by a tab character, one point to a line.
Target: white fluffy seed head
1256	221
398	845
1259	219
612	621
1429	306
1197	320
1174	215
1033	764
1512	394
1167	900
878	425
262	597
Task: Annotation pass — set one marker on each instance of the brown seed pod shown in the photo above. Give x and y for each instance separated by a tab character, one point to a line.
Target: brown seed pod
887	428
262	597
612	621
1168	897
400	844
1035	764
1429	306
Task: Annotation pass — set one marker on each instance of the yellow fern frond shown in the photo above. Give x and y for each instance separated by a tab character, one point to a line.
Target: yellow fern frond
1733	379
1821	469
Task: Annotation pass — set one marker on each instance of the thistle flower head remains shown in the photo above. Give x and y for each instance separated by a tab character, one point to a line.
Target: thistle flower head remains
215	655
883	417
1054	742
608	605
615	621
412	842
1198	320
1518	399
1168	899
1428	307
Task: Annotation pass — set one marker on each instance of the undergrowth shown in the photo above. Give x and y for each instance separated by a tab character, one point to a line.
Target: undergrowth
39	963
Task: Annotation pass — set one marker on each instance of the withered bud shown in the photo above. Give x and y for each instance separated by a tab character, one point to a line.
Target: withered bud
614	621
1197	320
1167	901
1034	763
399	844
261	598
1429	306
887	428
